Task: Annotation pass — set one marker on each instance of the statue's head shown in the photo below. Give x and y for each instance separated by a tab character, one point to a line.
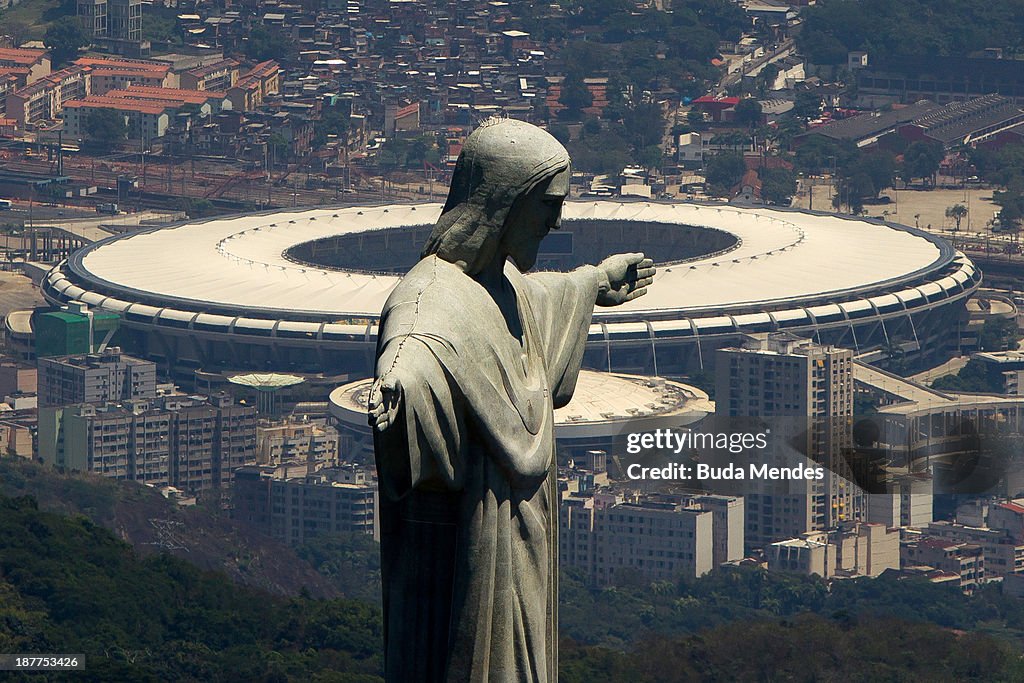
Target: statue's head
507	191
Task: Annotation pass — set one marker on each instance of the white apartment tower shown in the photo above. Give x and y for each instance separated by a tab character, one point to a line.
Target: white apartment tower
802	392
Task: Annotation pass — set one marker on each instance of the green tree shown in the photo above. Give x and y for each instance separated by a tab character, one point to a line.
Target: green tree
644	125
280	145
724	170
957	212
695	117
921	160
560	132
332	122
879	166
263	44
748	112
575	97
64	38
105	130
807	105
649	156
1011	200
973	377
778	185
1010	216
19	31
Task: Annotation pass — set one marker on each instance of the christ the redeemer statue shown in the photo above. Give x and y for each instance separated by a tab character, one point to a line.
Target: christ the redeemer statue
473	357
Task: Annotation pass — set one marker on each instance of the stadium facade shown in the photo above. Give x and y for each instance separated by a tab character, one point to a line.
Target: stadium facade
300	291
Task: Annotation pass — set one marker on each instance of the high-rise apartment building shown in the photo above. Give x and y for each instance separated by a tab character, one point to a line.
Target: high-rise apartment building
95	378
297	507
803	393
194	443
93	15
124	20
115	19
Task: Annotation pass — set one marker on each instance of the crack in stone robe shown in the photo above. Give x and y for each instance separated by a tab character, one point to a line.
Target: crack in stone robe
469	501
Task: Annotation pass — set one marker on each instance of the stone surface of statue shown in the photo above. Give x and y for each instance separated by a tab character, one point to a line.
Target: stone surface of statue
472	358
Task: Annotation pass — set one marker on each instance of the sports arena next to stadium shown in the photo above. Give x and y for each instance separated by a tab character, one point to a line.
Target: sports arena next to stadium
300	291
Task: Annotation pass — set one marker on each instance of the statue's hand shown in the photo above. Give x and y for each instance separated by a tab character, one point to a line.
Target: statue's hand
628	275
385	400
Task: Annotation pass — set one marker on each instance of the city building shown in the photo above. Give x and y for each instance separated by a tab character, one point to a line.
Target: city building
95	378
967	123
728	522
249	91
119	20
73	330
908	502
803	393
295	440
109	73
194	443
44	99
220	76
965	560
124	20
848	551
658	537
867	129
27	65
17	378
937	78
691	149
1003	553
1009	517
296	506
148	110
93	15
17	434
805	555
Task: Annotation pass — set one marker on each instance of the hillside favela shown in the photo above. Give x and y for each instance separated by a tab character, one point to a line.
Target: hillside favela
798	456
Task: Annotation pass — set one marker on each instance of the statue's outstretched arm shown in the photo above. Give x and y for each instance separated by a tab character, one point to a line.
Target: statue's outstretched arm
628	275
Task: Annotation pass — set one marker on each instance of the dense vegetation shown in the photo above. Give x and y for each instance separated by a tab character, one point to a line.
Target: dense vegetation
912	27
624	615
1004	167
808	648
67	585
648	48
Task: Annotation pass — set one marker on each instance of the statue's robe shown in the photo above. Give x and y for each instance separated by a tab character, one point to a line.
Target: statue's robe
467	473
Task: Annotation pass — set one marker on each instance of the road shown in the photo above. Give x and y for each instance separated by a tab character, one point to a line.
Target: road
91	230
950	367
782	51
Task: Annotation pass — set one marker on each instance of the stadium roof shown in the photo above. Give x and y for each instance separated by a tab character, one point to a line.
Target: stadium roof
782	258
599	398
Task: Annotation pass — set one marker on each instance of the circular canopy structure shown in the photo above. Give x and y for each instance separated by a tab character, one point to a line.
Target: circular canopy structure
729	270
604	406
266	381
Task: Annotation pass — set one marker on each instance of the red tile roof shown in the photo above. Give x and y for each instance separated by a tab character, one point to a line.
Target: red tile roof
22	56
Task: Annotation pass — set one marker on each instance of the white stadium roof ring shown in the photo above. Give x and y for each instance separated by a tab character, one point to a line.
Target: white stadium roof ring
723	269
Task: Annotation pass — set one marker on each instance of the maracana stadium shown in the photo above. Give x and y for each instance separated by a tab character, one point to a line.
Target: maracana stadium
300	291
